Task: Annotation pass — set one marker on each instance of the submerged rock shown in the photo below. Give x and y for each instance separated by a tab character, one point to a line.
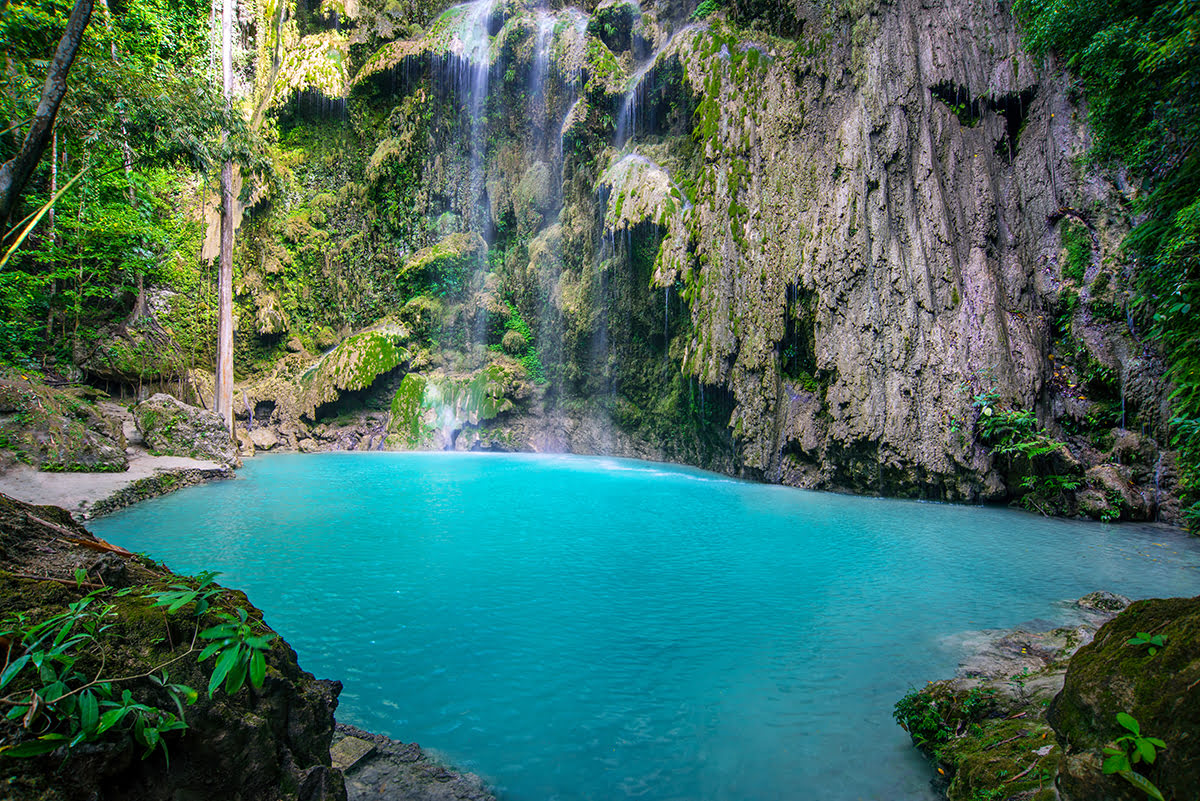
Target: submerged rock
173	428
986	729
381	769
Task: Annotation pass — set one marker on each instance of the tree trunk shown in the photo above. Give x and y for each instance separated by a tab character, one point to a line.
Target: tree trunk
223	404
50	222
15	172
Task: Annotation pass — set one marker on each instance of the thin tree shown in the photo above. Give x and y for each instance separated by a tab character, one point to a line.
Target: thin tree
223	403
15	173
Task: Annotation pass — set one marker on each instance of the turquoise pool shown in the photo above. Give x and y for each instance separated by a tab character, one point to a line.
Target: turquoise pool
591	628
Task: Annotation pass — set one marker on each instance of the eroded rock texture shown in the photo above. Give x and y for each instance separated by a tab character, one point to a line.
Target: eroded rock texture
808	242
876	241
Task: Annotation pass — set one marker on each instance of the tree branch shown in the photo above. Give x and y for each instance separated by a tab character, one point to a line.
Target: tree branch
15	173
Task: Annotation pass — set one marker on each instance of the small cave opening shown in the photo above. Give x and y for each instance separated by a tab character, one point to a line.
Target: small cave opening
1014	108
308	106
662	104
797	350
958	99
263	411
777	17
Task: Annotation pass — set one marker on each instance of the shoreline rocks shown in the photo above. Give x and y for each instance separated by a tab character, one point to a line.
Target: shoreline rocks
1027	716
378	768
268	744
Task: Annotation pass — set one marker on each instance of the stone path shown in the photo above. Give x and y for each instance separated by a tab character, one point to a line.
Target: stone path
81	493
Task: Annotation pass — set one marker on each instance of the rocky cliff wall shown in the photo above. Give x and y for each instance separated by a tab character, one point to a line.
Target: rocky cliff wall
841	245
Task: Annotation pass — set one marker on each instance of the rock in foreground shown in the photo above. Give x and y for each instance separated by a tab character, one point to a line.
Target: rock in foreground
1160	690
381	769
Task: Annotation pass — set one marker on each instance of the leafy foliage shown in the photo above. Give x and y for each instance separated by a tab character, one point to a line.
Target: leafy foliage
142	115
1139	67
1130	749
1152	642
53	672
1015	435
51	693
240	652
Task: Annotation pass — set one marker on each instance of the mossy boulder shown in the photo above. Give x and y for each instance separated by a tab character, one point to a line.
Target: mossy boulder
171	427
1161	691
639	191
135	351
264	744
57	429
351	366
444	268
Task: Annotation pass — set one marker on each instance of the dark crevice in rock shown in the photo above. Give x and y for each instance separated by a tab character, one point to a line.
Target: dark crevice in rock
1012	106
777	17
797	349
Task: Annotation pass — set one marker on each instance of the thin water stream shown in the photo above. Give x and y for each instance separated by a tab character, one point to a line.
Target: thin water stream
594	628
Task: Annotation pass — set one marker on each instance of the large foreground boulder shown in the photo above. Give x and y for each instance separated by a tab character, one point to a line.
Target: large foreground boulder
171	427
255	744
1160	690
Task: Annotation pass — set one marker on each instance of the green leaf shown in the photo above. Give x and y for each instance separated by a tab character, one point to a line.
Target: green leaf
12	670
1129	722
31	748
89	711
111	718
1146	750
225	663
258	669
237	675
1116	763
1142	783
209	650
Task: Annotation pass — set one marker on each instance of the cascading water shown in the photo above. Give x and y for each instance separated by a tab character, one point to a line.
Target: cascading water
467	68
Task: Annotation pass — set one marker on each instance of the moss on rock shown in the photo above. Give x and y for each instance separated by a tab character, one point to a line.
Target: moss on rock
407	429
353	365
1162	692
56	429
171	427
444	268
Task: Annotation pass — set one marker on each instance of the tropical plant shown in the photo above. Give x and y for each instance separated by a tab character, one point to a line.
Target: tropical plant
179	595
1130	749
1153	642
240	652
51	693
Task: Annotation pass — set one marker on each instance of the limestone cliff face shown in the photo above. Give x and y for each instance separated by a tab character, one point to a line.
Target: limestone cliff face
904	251
811	243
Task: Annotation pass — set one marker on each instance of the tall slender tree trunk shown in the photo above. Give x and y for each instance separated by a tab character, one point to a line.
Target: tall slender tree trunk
50	222
224	400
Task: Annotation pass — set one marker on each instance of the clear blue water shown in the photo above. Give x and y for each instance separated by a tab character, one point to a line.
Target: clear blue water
591	628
